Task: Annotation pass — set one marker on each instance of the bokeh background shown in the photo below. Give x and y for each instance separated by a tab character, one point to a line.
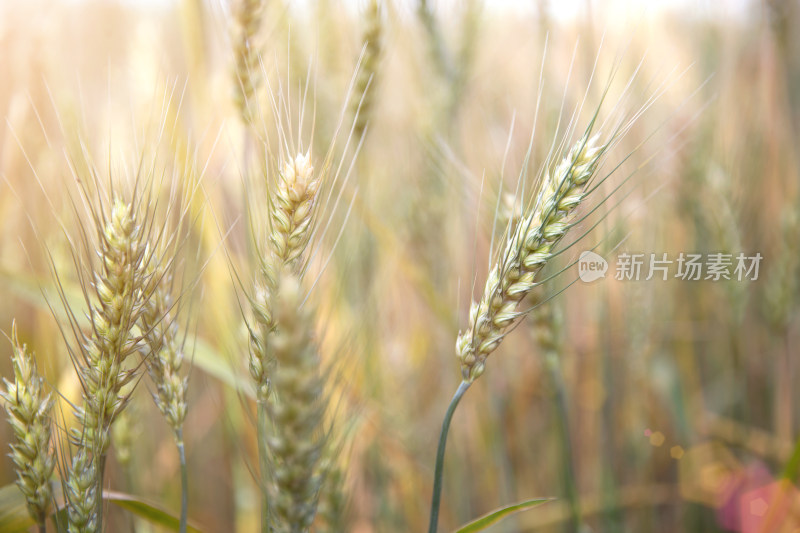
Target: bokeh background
640	406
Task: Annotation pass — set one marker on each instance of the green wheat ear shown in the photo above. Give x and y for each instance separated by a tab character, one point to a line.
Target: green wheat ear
121	288
296	409
332	509
29	409
527	249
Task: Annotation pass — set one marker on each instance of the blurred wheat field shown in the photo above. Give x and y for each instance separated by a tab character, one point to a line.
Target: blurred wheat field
650	405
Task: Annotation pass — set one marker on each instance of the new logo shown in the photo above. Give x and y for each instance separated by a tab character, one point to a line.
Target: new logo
591	266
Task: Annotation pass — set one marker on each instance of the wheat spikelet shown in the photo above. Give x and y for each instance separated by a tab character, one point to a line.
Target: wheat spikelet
296	410
527	249
293	206
29	409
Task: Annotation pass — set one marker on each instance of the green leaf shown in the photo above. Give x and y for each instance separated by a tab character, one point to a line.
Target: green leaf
498	514
148	511
14	514
32	290
60	520
207	359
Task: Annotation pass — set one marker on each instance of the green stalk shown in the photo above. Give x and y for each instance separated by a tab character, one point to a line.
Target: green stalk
263	465
184	480
568	471
439	470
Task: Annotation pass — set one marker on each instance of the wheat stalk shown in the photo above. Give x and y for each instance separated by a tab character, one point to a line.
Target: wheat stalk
29	409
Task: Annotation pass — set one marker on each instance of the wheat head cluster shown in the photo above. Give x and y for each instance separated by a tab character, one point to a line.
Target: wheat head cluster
252	235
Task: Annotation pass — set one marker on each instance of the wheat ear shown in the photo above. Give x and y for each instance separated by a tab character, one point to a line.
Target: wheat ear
80	493
248	17
293	204
29	409
292	209
527	249
164	358
165	355
365	83
121	286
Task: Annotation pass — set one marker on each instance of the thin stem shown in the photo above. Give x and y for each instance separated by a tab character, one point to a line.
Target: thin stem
129	486
568	471
42	521
184	480
437	475
263	464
